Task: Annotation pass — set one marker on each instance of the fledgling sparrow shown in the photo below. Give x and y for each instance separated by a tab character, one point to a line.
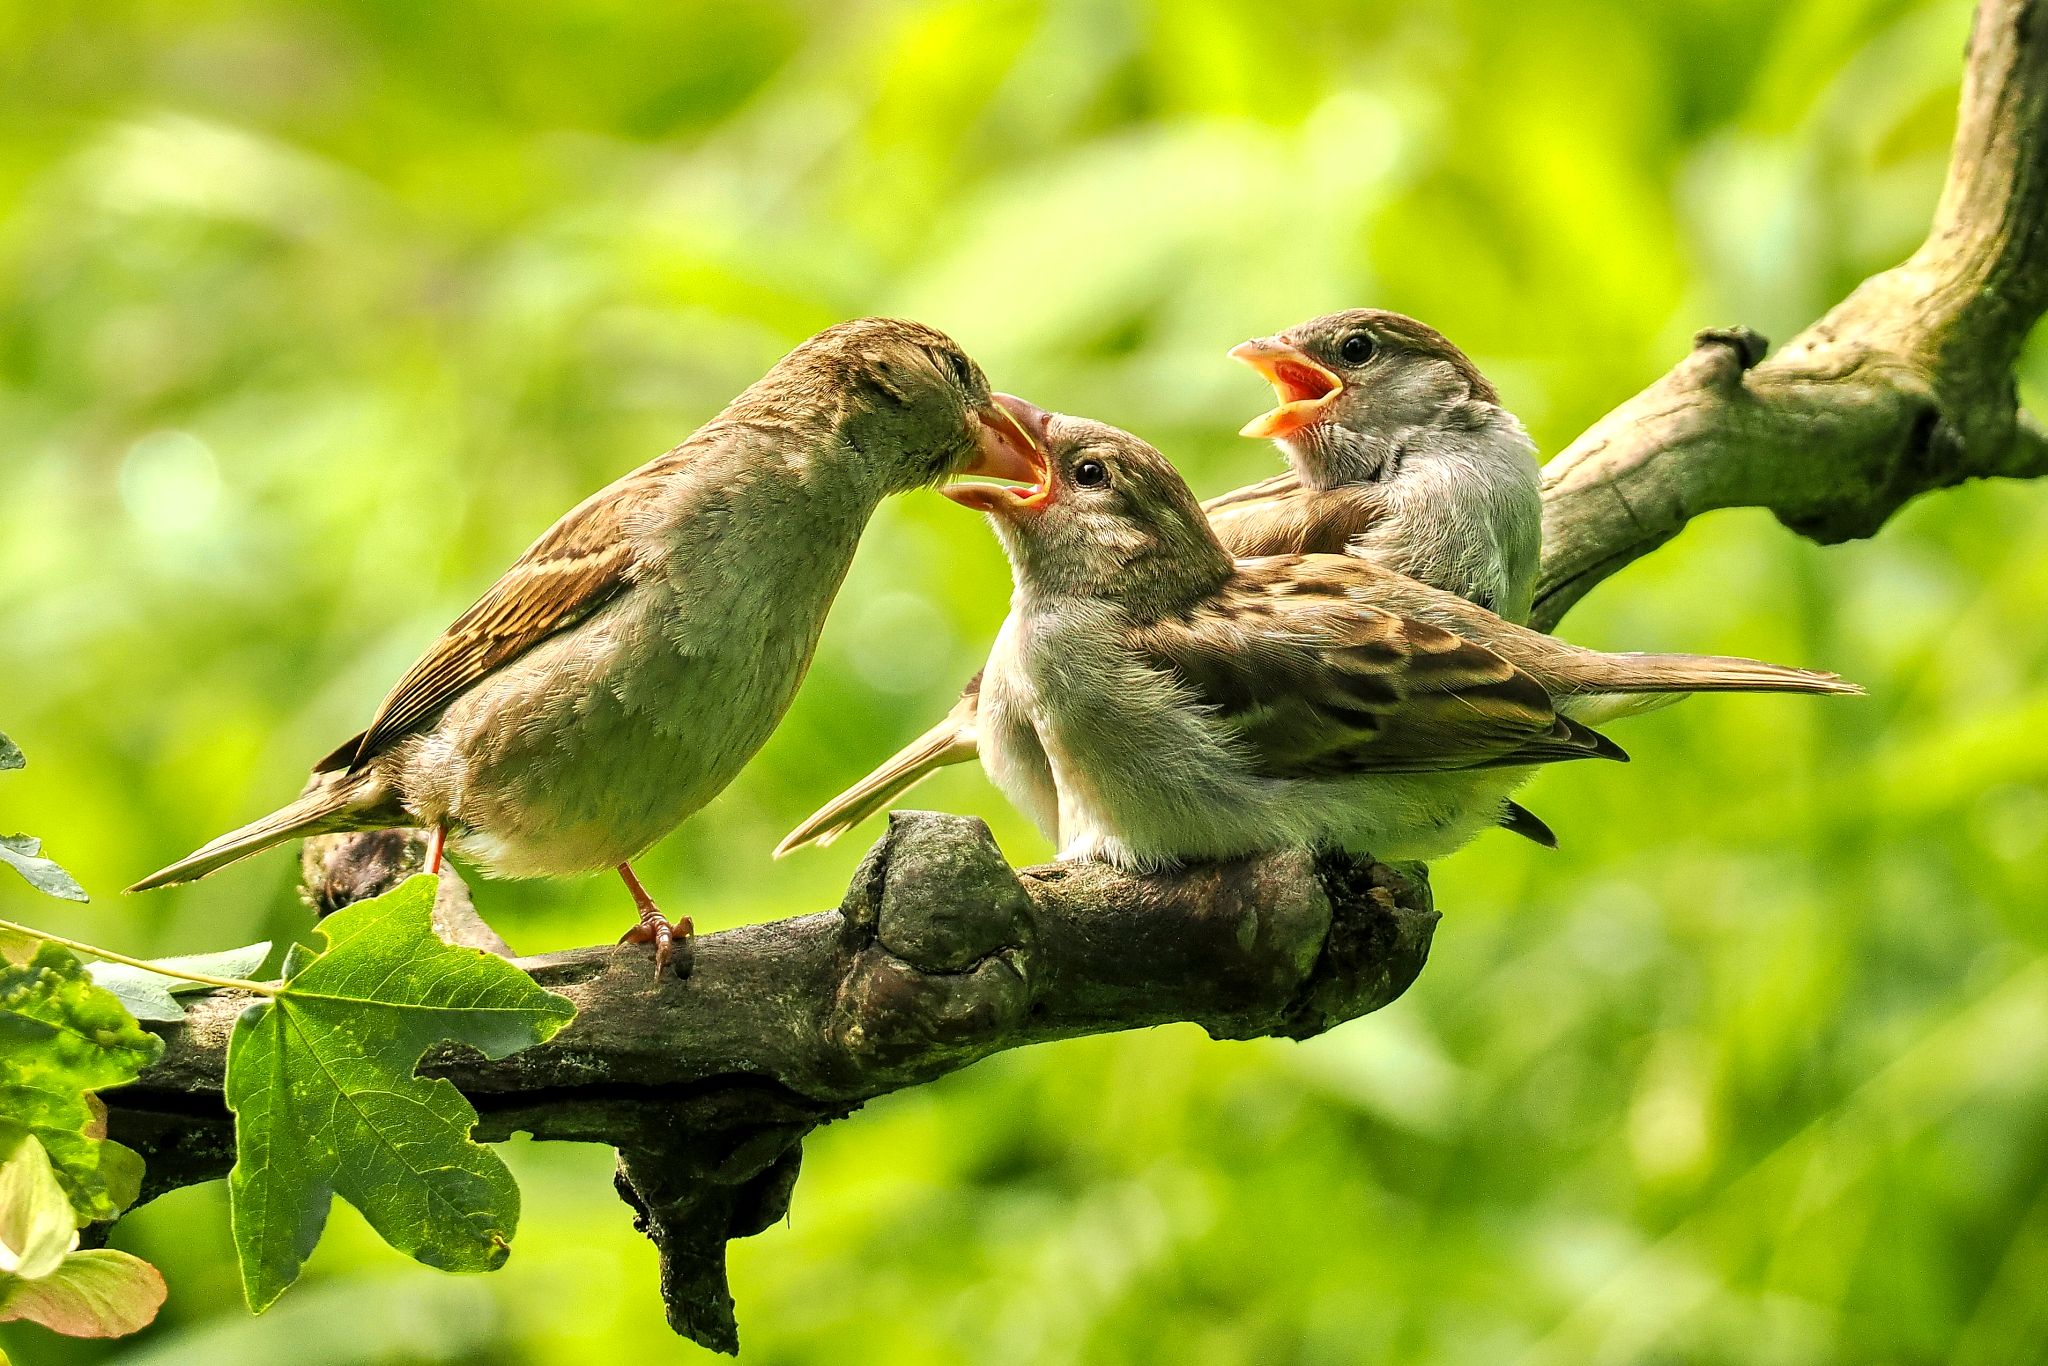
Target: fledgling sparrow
1150	700
1398	450
626	667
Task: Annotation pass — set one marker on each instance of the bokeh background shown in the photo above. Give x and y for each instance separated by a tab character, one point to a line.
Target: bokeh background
313	314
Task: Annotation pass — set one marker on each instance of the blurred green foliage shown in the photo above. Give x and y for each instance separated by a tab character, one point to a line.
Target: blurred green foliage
1753	1070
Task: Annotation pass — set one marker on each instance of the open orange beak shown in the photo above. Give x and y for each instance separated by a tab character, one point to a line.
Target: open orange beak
1304	389
1011	445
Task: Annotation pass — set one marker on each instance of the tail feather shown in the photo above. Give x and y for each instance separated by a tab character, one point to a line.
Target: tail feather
1601	708
1526	823
314	812
952	741
1566	740
1594	672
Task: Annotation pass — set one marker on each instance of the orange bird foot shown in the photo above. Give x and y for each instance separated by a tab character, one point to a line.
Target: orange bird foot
655	928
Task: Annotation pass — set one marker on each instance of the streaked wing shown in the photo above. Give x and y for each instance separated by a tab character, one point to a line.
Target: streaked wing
1283	516
1314	683
577	566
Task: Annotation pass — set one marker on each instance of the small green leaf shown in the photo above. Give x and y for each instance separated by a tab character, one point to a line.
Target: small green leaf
24	852
121	1168
151	995
96	1294
36	1227
322	1082
10	754
62	1038
16	947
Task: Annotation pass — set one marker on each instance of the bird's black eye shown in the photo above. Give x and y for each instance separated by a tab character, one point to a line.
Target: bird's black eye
1091	474
1357	348
962	368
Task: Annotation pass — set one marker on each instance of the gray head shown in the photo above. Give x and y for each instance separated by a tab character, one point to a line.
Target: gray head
1356	388
1106	516
907	404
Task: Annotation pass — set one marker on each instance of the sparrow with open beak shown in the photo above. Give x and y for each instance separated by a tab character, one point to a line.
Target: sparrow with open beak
1398	450
626	667
1150	700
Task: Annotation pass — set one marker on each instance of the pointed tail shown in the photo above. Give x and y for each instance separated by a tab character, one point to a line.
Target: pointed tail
1593	672
952	741
1526	823
316	811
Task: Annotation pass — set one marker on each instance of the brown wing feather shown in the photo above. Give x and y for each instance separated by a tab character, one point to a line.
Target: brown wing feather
570	572
1314	683
1283	516
1253	493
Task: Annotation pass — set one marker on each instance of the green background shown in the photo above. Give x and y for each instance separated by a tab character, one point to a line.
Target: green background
313	315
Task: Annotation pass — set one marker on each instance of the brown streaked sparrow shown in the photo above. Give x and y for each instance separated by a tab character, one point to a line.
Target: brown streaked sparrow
1398	451
626	667
1150	700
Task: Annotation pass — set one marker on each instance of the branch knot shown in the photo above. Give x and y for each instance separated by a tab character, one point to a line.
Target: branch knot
941	932
1746	346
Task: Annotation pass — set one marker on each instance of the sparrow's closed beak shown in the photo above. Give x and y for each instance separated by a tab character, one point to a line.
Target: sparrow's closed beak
1010	445
1304	388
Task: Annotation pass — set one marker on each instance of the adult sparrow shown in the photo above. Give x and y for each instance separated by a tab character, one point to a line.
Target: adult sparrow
1151	700
1398	450
626	666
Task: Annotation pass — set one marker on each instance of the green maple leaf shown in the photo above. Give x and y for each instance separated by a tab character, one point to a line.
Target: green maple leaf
61	1038
321	1079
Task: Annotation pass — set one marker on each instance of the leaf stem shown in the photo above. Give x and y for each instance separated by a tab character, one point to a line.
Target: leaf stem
162	970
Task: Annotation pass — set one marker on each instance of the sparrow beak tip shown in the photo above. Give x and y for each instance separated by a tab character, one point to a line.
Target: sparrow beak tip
1303	387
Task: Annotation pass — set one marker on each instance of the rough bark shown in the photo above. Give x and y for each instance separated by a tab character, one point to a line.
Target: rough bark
1904	387
941	954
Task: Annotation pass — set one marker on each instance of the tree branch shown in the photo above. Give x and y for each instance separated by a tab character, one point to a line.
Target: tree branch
1903	387
941	955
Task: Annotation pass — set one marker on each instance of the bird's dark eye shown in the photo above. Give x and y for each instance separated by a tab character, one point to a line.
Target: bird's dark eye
1091	474
1357	348
962	368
